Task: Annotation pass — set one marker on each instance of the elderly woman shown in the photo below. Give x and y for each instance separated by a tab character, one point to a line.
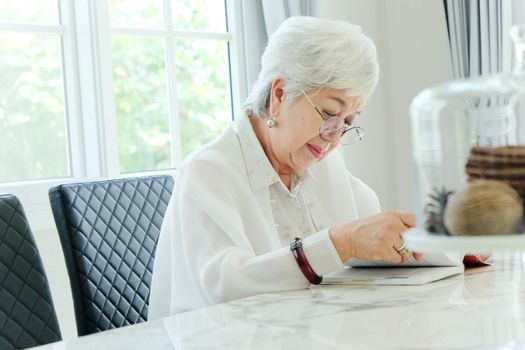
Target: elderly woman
269	206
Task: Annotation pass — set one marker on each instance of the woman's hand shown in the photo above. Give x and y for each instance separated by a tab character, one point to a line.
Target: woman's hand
374	238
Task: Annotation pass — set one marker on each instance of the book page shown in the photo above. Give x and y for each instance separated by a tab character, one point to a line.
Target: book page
431	259
391	275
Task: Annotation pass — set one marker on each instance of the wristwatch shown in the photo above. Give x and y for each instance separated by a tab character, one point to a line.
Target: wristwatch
296	247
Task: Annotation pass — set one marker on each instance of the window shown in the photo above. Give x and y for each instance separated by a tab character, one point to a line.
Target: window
33	114
171	78
93	89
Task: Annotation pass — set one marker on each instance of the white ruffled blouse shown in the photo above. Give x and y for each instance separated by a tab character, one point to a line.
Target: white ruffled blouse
230	221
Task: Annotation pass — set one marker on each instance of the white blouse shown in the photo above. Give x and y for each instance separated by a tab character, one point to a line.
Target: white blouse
227	229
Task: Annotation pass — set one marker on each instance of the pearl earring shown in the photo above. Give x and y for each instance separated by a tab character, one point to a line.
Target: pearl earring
271	122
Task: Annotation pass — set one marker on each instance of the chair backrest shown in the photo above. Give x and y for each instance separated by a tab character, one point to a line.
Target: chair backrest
109	232
27	314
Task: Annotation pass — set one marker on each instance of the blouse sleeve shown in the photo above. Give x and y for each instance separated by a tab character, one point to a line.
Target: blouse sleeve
220	257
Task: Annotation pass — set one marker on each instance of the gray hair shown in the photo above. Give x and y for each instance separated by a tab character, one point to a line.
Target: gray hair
312	53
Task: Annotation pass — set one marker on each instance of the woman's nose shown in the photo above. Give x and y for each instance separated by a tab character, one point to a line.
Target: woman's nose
330	136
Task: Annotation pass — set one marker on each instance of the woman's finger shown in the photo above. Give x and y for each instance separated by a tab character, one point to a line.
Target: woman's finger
394	257
398	244
418	256
408	219
407	256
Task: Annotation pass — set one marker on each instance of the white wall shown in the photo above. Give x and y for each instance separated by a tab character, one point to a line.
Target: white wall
412	45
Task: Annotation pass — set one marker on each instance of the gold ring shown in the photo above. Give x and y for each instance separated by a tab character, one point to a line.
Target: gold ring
402	250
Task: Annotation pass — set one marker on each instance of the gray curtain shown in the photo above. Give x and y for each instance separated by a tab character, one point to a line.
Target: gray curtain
276	11
260	18
480	44
478	32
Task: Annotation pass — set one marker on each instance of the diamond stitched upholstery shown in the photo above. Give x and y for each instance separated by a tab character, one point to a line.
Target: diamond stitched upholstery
27	314
109	231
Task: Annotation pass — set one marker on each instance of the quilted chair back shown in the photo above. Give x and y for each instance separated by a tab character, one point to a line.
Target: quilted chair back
27	314
109	232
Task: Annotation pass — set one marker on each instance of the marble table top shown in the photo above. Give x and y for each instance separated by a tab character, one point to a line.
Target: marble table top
482	309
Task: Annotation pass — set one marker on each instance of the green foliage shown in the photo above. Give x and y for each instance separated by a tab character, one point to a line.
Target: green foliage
29	11
202	91
134	13
202	79
207	15
33	142
142	103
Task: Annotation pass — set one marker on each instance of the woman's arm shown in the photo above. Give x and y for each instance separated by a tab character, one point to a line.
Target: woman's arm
224	259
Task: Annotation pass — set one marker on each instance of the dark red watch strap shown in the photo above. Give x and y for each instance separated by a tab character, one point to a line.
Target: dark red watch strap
297	250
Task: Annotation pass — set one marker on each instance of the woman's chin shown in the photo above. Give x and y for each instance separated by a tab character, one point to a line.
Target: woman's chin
306	165
306	161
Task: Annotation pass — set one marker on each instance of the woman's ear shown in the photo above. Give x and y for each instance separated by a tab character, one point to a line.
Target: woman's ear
276	96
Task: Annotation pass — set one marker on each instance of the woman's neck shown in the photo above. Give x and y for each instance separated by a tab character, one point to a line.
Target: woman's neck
262	132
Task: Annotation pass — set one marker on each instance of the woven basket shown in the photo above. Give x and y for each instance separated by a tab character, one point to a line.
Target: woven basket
506	164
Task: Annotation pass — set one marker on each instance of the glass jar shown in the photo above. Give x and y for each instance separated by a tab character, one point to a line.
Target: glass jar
469	156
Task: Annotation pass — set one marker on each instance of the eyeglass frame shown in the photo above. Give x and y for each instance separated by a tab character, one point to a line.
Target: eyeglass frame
360	131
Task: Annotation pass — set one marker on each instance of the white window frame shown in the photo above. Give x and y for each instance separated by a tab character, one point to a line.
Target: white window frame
89	98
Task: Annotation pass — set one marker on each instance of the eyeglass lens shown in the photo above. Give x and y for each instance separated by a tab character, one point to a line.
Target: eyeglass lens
352	136
334	128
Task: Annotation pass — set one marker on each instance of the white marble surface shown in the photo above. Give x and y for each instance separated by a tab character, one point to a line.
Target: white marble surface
483	309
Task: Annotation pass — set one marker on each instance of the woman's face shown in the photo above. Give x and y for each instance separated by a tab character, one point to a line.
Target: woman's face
295	140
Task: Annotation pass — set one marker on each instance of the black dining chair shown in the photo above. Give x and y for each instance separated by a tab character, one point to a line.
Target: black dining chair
27	313
109	231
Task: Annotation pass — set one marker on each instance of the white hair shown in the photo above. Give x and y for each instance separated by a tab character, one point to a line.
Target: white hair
311	53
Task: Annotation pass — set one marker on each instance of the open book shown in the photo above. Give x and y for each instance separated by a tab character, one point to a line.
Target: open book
433	267
434	259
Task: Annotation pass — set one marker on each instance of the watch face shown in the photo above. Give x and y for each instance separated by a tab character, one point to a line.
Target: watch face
297	243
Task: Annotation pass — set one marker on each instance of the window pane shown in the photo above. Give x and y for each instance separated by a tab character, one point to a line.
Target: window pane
142	103
135	13
33	141
203	91
32	11
206	15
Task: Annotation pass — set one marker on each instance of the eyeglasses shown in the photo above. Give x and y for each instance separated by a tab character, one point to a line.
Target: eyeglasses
335	126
